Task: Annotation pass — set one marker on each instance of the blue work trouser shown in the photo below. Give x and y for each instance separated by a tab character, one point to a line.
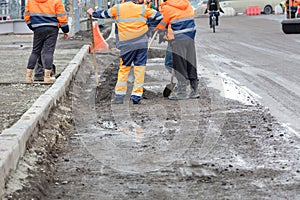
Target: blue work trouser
168	58
43	38
139	58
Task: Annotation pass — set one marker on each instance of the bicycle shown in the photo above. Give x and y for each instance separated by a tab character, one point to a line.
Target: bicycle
213	20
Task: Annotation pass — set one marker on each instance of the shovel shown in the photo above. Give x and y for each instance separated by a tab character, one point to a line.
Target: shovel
152	39
169	87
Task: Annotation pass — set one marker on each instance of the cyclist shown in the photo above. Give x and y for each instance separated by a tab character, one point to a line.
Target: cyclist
213	8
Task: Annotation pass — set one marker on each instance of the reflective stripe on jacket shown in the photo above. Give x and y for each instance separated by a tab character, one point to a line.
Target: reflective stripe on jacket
41	13
180	14
131	21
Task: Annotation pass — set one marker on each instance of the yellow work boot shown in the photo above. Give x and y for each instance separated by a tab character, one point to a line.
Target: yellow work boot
29	73
48	78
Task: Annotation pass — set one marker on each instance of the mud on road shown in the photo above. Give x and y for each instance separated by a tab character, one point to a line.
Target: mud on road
195	149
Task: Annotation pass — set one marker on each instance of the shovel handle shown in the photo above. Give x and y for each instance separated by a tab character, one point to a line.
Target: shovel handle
152	39
94	53
172	77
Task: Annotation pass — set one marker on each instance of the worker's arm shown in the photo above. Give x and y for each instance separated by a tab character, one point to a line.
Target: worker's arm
166	19
154	16
99	13
62	17
27	16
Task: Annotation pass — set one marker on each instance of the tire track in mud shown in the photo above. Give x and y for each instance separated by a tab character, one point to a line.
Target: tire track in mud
249	157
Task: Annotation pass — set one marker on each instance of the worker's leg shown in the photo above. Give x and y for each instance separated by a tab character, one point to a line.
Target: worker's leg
48	52
180	66
38	41
121	86
140	62
126	59
168	58
192	68
49	47
139	77
39	71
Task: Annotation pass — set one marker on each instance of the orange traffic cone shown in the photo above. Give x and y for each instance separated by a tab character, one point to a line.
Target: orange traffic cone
100	43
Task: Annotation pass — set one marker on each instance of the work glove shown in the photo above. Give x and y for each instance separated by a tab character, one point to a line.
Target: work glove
30	26
161	34
160	38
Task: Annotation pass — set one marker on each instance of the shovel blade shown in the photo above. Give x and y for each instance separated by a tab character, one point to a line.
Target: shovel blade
168	89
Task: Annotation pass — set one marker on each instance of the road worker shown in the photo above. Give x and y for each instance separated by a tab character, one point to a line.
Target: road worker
132	40
44	18
169	37
291	10
150	4
179	15
283	7
150	23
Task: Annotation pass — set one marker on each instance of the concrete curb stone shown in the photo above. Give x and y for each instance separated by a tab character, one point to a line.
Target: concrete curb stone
13	140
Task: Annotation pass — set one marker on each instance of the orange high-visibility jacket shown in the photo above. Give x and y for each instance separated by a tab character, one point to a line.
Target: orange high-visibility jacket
294	5
180	15
43	13
131	20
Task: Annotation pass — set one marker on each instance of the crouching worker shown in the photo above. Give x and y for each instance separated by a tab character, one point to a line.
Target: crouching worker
44	18
179	15
132	40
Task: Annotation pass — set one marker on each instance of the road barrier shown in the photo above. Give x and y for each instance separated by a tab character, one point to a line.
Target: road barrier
252	10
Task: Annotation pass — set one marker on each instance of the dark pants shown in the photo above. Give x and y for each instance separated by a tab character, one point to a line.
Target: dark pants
43	38
293	14
184	59
39	68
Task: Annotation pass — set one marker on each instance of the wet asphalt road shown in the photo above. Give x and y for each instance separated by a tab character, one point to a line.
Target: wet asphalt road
255	52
